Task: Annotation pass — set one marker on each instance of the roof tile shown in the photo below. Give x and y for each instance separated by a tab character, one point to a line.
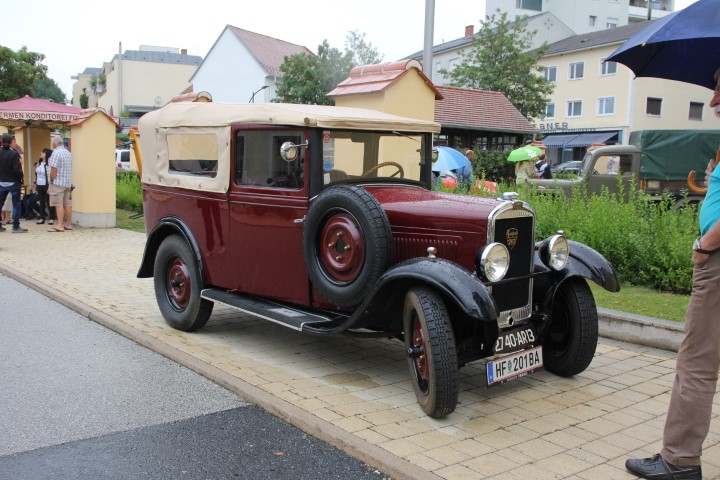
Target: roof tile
269	52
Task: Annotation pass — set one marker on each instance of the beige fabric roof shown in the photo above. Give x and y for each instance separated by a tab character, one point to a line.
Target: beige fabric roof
219	114
195	118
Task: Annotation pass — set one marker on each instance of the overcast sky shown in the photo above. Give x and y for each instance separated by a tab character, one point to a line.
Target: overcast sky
74	35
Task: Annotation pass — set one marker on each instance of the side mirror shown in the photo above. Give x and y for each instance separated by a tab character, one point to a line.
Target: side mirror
290	152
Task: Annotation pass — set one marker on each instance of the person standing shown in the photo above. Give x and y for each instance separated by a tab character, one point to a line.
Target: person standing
11	178
60	184
688	419
42	180
544	168
524	171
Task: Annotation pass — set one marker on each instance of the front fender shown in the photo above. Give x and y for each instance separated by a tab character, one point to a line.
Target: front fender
164	228
457	284
589	263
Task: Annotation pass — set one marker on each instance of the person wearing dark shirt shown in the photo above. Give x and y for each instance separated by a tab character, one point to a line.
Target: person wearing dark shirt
11	178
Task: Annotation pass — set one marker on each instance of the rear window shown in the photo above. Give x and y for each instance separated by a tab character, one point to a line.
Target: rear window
190	154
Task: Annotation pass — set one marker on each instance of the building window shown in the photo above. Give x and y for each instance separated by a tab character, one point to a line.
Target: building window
696	109
653	106
535	5
606	105
454	62
611	23
608	68
592	21
577	70
574	108
550	110
551	74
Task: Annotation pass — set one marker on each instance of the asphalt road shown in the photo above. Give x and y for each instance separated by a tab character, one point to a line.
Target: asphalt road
78	401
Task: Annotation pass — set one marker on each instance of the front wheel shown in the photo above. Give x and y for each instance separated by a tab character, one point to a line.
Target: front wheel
178	284
573	333
432	357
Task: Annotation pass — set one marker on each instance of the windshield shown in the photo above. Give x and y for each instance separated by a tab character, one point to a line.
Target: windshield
388	156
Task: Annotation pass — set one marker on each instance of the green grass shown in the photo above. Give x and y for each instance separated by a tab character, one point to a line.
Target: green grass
123	220
643	301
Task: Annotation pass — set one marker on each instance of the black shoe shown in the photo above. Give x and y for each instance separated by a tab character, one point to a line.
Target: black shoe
657	468
19	230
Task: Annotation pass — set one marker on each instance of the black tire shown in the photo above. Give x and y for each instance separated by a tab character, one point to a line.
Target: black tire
347	244
432	355
570	343
178	285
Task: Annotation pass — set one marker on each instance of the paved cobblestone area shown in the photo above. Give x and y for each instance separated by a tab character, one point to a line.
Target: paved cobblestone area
539	427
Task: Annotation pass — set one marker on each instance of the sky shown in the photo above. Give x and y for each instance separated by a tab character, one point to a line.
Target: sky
74	35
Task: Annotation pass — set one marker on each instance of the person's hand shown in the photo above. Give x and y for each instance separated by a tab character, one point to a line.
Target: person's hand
699	258
712	163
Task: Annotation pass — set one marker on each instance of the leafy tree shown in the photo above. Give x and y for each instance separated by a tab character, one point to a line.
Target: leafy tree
84	98
18	71
307	79
301	81
45	87
363	52
500	60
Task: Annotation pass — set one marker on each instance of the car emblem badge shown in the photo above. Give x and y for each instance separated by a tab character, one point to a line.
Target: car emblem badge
511	236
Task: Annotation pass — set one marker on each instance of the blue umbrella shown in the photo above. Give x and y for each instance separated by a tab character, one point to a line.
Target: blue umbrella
682	46
448	159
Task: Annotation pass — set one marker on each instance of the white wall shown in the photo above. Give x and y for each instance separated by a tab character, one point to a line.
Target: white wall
231	74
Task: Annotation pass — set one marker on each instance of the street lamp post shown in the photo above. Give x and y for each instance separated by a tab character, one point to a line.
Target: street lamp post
252	98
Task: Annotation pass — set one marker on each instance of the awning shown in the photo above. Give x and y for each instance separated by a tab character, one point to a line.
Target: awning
557	140
577	139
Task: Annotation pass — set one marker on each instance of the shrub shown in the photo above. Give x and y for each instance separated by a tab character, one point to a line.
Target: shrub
128	190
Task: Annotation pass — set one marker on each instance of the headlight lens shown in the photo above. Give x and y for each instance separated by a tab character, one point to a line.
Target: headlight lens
493	261
558	252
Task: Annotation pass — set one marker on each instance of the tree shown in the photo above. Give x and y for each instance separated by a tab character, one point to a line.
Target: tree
18	71
307	79
46	88
500	60
363	53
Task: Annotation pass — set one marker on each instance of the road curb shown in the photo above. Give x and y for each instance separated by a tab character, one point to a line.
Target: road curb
639	329
390	464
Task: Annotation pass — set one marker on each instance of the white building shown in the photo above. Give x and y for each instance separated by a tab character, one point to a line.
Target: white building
243	66
584	16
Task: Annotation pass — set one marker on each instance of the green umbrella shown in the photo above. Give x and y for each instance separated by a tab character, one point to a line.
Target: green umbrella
522	154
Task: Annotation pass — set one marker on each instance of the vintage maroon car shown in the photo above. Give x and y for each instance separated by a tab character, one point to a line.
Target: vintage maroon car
322	219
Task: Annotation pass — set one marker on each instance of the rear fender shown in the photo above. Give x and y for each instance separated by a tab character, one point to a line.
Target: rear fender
164	228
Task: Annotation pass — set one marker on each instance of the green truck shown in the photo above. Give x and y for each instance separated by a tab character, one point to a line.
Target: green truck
655	162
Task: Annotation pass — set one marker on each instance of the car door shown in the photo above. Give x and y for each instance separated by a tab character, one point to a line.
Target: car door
268	200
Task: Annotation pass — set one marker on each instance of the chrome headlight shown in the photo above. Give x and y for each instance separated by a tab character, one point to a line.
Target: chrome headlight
493	261
556	252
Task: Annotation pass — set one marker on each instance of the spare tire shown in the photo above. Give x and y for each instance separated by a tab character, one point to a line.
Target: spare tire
347	243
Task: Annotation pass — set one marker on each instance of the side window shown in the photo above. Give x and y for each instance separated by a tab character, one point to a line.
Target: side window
193	154
258	161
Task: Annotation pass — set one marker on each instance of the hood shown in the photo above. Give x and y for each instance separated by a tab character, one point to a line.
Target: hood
418	208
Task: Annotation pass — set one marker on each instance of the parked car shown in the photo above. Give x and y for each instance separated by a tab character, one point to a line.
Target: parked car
568	167
323	220
122	159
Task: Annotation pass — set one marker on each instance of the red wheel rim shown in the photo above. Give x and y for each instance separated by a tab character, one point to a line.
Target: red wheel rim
421	364
342	248
178	284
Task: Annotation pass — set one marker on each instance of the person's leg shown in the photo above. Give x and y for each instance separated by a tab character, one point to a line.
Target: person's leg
4	191
42	198
56	202
15	192
67	207
698	360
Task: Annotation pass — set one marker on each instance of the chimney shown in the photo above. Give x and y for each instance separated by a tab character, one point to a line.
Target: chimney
183	51
469	31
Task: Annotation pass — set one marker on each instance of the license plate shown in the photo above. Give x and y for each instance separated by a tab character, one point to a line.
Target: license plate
514	340
502	369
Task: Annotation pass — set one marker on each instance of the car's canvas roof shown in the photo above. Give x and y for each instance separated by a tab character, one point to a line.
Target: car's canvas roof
196	118
203	114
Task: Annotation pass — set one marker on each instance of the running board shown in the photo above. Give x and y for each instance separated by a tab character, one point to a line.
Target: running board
275	312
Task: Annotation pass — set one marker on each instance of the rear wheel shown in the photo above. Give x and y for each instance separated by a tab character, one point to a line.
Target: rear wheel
570	344
432	357
178	284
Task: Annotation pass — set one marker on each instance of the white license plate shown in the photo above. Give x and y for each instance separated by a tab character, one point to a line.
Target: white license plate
502	369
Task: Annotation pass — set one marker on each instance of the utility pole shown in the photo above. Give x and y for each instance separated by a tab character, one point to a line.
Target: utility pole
428	45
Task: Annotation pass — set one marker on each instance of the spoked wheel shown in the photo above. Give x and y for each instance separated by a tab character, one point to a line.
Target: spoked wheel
177	286
432	357
570	344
